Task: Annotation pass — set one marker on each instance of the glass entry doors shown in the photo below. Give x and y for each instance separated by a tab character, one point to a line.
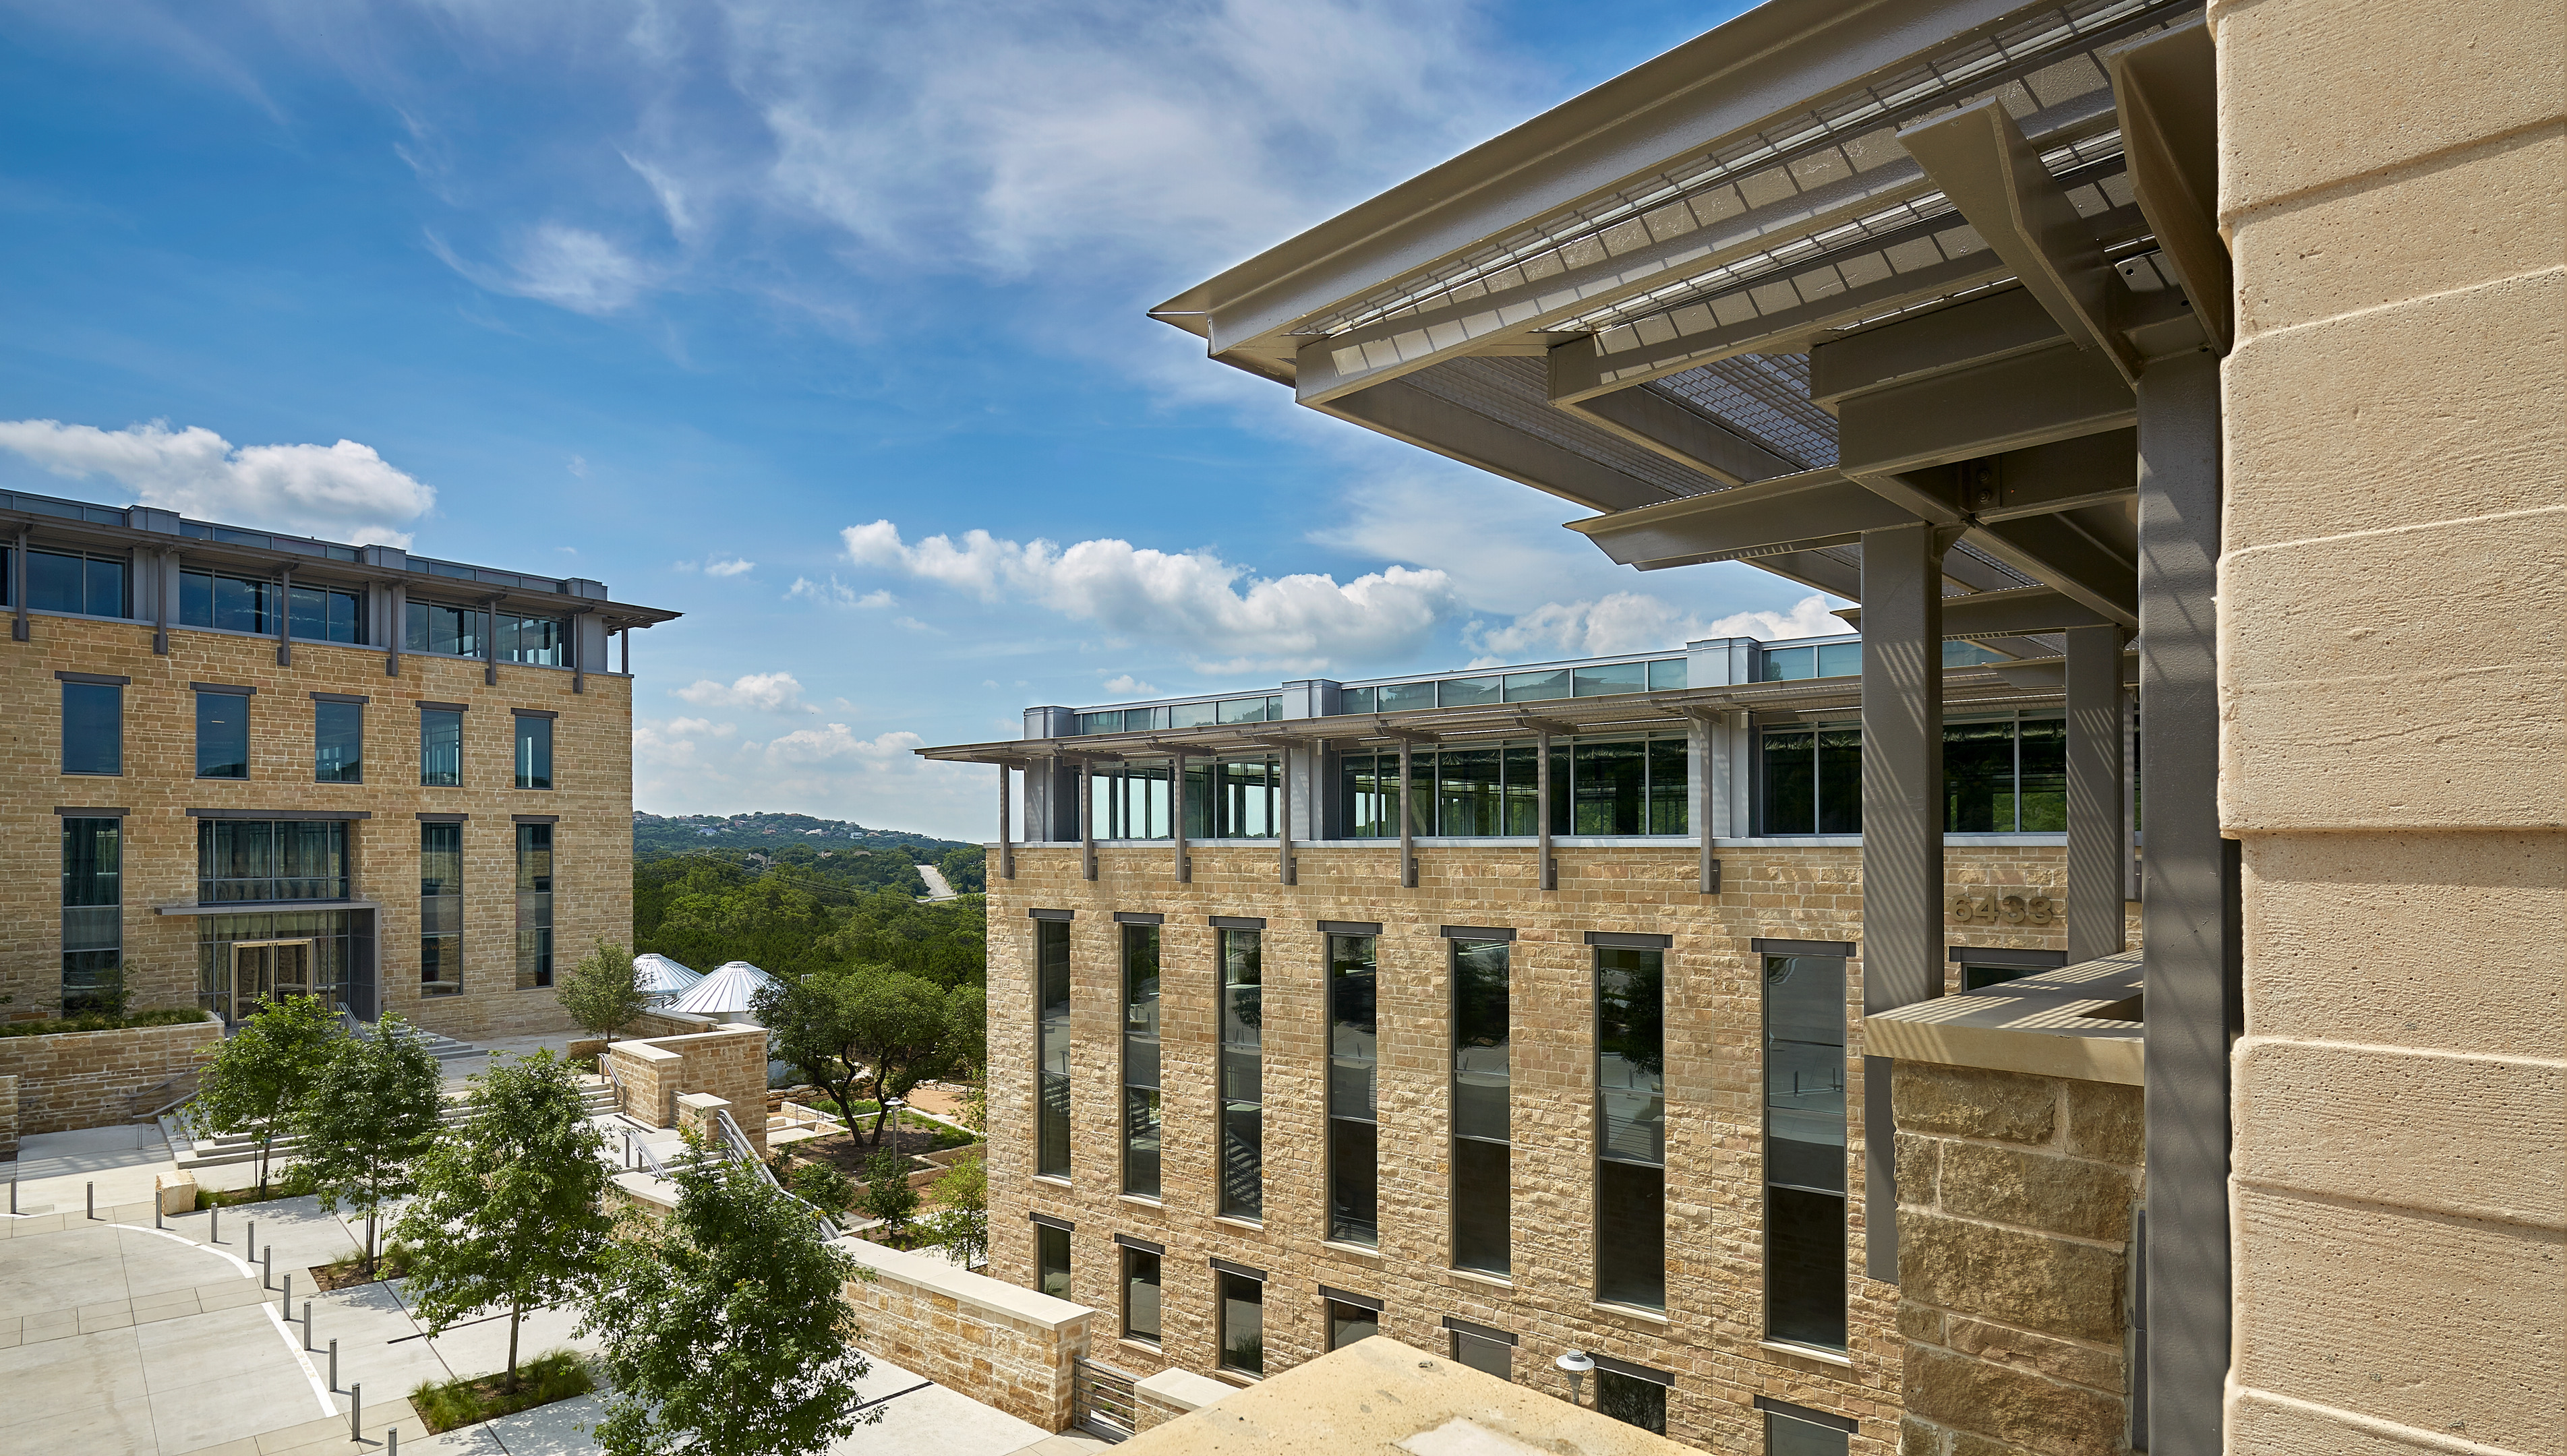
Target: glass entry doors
263	970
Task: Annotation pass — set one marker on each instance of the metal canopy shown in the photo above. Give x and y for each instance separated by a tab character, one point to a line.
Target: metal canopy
1866	254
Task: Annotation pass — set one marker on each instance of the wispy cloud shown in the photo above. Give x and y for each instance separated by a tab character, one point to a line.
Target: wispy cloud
1191	600
570	267
729	566
1627	621
344	492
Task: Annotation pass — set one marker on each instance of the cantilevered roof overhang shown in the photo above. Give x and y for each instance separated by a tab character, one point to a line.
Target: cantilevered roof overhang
1827	268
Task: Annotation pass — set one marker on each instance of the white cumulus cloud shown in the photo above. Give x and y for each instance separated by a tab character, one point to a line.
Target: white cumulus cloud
1128	686
770	692
836	742
729	566
342	492
1193	601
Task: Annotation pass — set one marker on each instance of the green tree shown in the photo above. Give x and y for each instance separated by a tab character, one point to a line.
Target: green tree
262	1072
888	1196
807	1026
967	869
507	1213
823	1187
726	1330
603	993
371	1113
902	1029
961	1221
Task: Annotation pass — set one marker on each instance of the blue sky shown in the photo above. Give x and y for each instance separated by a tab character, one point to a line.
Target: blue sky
741	308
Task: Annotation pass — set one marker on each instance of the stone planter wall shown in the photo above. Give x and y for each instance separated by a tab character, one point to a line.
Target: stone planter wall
729	1063
2015	1195
1000	1345
91	1079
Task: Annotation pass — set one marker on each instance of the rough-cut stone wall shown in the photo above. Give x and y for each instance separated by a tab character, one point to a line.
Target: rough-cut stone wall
1711	1336
2394	764
729	1061
592	845
1000	1345
90	1078
2015	1195
9	1115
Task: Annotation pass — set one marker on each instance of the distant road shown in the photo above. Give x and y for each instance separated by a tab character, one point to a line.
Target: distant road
937	889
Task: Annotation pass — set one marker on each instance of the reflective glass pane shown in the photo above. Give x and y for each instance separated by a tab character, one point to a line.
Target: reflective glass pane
1522	790
1191	715
1530	687
1367	798
1480	1206
1785	1436
1978	778
1667	674
1242	1325
1466	793
441	749
1400	697
1353	1184
1350	1323
1791	782
534	752
2044	789
1610	780
1611	677
1631	1235
1841	659
53	581
92	728
1670	802
1786	664
1480	1072
222	735
1631	1042
1463	692
339	743
1635	1402
1140	1295
1356	700
1839	781
1804	1071
1243	710
1051	1260
1489	1356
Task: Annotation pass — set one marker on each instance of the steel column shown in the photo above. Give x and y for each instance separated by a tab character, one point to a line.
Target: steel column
1177	818
1284	826
1006	849
285	618
164	577
1698	751
2188	914
1087	820
1902	828
2096	838
18	630
1540	806
1407	839
398	631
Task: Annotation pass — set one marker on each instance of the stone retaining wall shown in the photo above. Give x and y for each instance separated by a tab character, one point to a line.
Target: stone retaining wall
2015	1195
729	1061
91	1079
1002	1345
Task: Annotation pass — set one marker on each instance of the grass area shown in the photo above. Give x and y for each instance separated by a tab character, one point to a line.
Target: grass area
284	1180
166	1016
554	1375
945	1136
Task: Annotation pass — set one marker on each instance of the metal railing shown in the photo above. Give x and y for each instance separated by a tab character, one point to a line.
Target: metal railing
736	1145
1101	1400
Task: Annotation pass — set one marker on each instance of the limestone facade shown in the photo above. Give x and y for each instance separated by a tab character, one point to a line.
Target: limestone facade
591	805
728	1062
1000	1345
2393	763
1710	1337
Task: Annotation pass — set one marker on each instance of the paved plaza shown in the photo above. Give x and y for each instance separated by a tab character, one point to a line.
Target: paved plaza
119	1338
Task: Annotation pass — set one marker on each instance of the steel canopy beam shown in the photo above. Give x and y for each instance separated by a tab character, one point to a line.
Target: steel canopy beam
1796	512
2052	393
1405	412
1655	422
2020	612
2167	91
2051	550
1993	174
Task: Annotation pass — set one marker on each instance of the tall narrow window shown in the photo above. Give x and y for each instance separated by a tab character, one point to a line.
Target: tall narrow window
1242	1322
92	914
534	752
441	748
222	735
1632	1123
1803	1432
1140	1295
92	728
534	905
1243	1074
1353	1139
1804	1151
1141	1061
1480	1106
440	909
338	742
1051	1048
1051	1259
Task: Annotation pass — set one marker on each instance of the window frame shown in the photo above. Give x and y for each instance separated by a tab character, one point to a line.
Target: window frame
84	685
531	739
442	988
1349	1232
1048	1119
535	907
207	697
1224	1280
1607	1168
322	708
1457	946
93	899
1132	1160
1129	1267
1238	1060
1773	1295
440	714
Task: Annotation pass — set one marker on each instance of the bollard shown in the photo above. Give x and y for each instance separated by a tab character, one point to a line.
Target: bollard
156	1221
334	1365
285	1299
214	1223
267	1267
357	1412
251	1243
392	1442
13	1199
307	1326
93	1200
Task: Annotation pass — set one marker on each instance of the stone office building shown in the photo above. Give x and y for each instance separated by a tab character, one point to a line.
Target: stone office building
1423	1006
239	763
2226	333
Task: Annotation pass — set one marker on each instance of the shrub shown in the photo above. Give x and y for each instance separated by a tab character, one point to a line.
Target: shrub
557	1374
162	1015
823	1187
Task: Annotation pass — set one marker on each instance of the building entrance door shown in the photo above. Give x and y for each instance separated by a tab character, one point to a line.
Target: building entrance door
265	969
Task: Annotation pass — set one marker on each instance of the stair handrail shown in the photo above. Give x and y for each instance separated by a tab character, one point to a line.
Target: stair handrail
614	1079
736	1145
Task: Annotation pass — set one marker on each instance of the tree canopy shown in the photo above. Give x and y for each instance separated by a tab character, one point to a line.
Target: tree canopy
845	1026
370	1114
262	1072
727	1328
603	993
507	1215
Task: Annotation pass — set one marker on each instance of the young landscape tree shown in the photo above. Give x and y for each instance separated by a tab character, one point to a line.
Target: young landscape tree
961	1221
603	993
369	1116
887	1194
507	1215
262	1072
727	1328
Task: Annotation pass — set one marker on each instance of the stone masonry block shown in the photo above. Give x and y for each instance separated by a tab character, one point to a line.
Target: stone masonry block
2338	666
2037	1191
2470	378
2108	1121
1970	1102
2477	68
1918	1160
2096	1367
2476	1136
2015	1406
2041	1284
2331	943
2433	1322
